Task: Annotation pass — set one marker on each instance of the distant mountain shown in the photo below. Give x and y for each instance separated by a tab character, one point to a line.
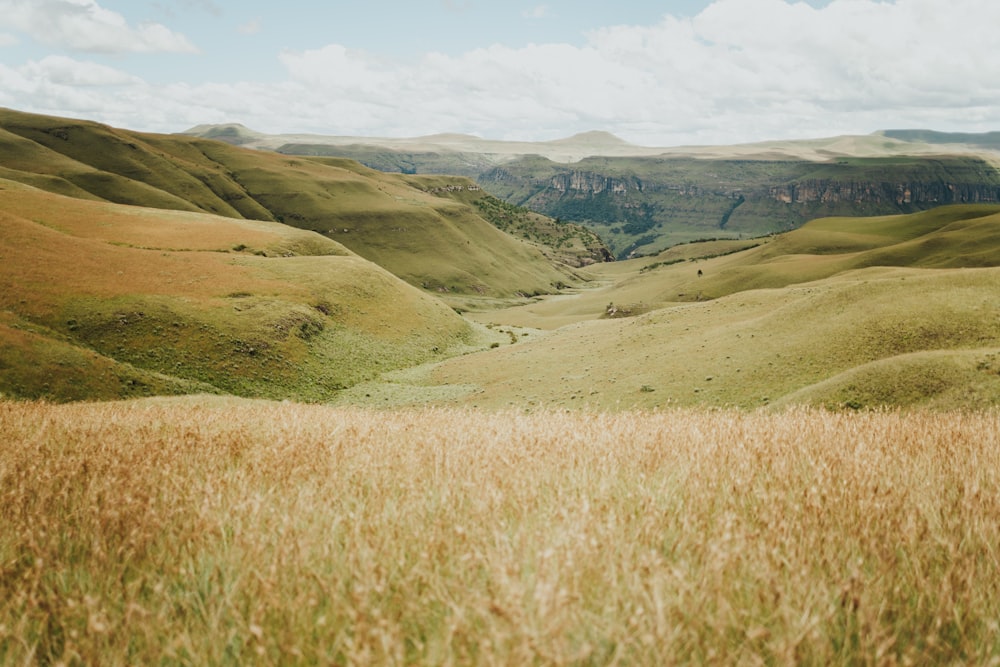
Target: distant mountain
488	151
592	138
640	200
231	133
984	140
477	151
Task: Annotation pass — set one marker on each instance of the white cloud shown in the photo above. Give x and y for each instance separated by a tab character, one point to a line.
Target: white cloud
742	70
63	71
83	25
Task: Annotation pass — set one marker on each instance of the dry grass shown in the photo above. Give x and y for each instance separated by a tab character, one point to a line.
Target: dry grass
181	532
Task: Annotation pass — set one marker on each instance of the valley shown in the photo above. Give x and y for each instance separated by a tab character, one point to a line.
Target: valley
841	314
153	264
270	409
641	200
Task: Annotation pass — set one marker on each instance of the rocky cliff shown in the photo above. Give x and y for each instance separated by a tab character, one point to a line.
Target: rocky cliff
642	205
899	194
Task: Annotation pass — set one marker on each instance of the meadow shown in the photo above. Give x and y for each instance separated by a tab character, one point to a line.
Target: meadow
215	530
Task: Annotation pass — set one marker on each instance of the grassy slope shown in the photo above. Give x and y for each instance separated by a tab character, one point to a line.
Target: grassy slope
103	300
850	323
563	242
420	237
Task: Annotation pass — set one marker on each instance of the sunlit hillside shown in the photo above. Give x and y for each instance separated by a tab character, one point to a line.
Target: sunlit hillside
102	300
431	241
841	313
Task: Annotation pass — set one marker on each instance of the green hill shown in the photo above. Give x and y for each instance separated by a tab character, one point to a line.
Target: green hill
641	205
434	242
899	310
104	301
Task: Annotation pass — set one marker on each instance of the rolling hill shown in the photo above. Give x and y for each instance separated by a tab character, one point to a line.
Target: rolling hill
899	310
105	301
138	264
404	225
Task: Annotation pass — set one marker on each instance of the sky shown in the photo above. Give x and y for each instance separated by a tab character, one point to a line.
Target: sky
668	73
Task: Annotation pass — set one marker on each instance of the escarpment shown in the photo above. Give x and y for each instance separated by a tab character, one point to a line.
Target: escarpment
642	205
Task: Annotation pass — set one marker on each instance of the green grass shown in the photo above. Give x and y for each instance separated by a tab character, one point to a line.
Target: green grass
141	301
428	241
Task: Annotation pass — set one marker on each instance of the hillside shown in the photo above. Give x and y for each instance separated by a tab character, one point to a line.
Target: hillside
433	242
901	310
107	301
565	243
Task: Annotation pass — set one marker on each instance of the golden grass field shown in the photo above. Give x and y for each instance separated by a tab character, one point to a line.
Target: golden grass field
225	531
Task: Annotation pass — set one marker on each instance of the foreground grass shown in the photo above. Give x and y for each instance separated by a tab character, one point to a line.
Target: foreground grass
180	533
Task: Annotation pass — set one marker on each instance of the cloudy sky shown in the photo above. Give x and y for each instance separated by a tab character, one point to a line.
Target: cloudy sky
662	73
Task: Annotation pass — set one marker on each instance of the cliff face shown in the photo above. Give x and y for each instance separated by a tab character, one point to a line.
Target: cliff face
642	205
585	182
898	194
806	191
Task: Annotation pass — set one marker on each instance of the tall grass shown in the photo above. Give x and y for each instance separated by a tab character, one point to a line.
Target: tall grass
267	533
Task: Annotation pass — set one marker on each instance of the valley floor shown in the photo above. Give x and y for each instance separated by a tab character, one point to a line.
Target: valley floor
863	338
